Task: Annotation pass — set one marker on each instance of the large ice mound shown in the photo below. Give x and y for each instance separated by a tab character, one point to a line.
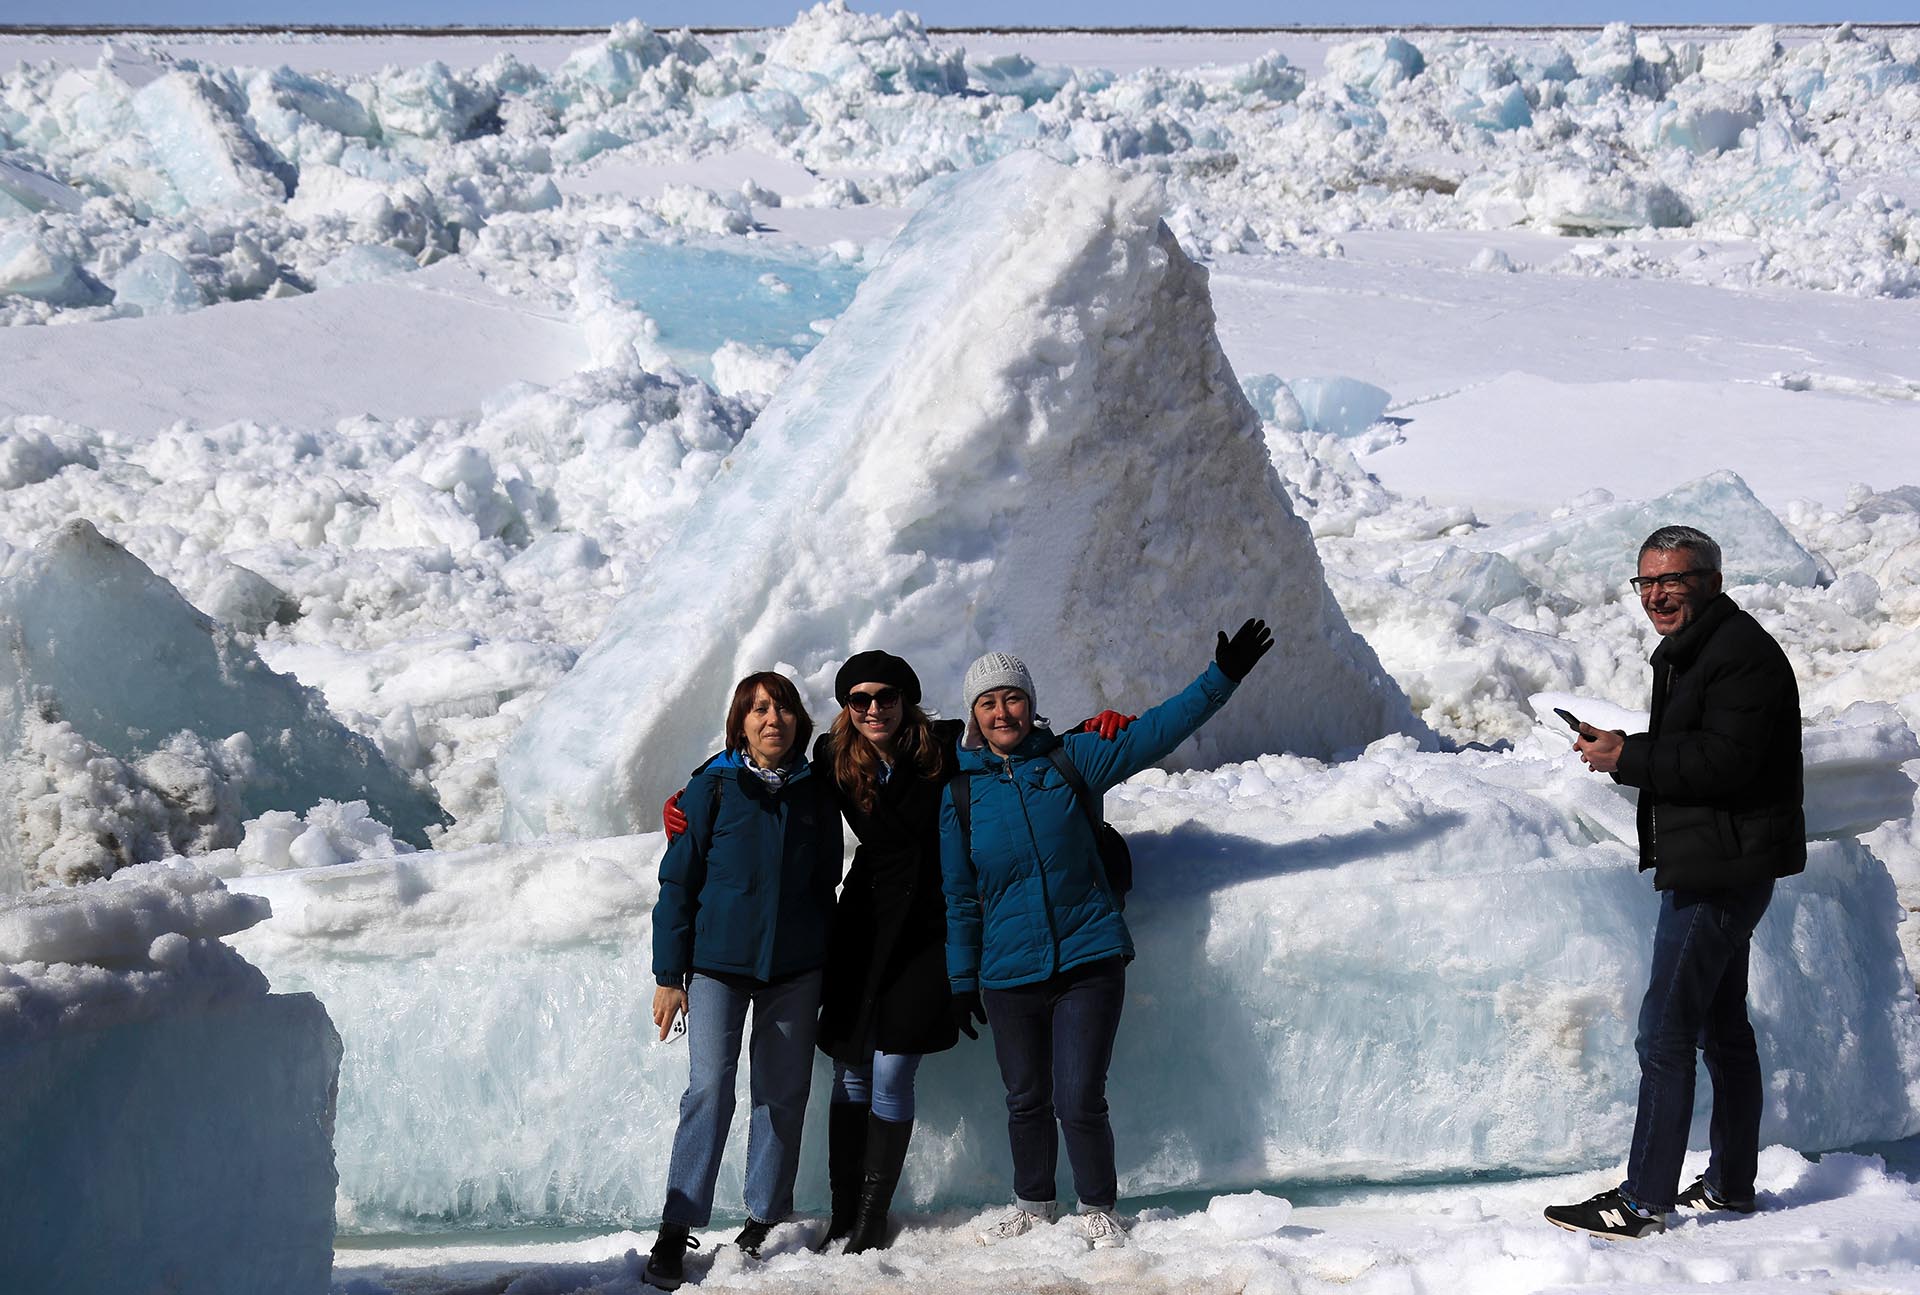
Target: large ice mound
133	727
1402	965
168	1123
1021	435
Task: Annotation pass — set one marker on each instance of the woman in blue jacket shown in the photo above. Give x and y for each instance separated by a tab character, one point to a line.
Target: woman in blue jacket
746	898
1035	934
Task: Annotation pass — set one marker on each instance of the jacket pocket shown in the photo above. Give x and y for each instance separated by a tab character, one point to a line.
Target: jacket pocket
1728	833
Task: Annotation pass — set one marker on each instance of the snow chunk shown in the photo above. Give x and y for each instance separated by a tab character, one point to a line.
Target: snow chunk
1339	406
831	47
1246	1215
1603	539
202	146
115	922
28	268
1375	63
364	263
24	191
971	459
153	283
167	721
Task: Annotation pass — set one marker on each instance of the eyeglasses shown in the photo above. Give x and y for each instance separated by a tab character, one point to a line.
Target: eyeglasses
1670	582
862	702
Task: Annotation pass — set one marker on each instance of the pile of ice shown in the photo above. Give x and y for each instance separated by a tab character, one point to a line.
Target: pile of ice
148	183
424	576
158	1095
134	727
1406	965
1007	442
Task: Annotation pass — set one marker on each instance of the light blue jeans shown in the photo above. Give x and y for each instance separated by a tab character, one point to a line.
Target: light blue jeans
779	1074
885	1084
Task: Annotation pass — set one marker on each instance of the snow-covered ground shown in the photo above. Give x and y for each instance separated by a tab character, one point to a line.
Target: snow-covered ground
406	361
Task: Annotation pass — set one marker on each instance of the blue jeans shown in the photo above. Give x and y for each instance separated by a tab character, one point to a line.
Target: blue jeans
1697	997
780	1071
1054	1042
885	1084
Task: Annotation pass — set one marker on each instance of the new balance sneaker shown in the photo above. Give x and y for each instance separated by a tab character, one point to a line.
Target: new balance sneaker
752	1237
1014	1223
1610	1215
666	1265
1701	1196
1101	1229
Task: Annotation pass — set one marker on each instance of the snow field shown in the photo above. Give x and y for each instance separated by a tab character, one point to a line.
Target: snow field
1843	1223
391	415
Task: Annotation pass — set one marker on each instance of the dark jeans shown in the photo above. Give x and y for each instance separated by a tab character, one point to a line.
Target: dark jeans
1054	1041
1697	997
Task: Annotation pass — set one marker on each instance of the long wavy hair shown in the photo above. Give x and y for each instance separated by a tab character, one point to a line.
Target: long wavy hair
856	764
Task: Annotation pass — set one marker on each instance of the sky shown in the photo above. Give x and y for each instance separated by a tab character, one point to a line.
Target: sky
953	13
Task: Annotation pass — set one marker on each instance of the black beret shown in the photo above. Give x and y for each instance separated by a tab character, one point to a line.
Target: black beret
877	667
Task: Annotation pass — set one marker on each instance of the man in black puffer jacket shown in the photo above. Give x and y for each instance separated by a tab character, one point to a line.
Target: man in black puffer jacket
1720	818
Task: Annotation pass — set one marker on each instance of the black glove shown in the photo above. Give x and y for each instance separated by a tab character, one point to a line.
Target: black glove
964	1010
1239	654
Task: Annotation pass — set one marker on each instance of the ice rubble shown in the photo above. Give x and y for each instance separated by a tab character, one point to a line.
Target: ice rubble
1798	148
135	727
1405	965
1006	442
167	1119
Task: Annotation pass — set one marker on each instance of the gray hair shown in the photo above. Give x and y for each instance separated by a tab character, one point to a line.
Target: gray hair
1705	551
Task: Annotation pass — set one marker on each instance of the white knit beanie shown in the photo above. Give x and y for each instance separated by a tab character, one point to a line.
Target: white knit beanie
995	670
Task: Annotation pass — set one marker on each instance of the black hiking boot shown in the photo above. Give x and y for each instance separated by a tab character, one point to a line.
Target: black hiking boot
886	1153
1609	1215
752	1237
1701	1196
846	1166
666	1265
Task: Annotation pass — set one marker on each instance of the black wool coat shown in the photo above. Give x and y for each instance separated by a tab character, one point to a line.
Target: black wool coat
1719	768
886	979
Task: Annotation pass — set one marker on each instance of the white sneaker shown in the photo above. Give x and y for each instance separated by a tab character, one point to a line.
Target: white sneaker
1102	1230
1014	1223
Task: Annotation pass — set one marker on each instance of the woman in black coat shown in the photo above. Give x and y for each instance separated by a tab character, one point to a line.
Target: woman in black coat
885	1003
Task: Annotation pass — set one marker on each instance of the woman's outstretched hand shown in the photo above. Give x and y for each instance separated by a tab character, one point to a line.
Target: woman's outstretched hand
1239	654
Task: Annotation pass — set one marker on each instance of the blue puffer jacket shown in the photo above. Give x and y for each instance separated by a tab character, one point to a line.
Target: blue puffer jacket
748	887
1030	899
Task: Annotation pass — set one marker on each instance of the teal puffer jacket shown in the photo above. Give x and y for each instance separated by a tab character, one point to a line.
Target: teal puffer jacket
1029	899
748	887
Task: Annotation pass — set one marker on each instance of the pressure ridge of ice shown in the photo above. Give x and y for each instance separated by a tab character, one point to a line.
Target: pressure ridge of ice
1406	965
1798	145
1021	436
134	727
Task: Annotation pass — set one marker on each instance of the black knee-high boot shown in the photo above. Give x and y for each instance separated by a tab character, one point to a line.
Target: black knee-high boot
846	1166
886	1153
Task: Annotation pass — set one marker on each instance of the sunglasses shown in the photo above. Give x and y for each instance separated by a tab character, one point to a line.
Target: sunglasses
862	702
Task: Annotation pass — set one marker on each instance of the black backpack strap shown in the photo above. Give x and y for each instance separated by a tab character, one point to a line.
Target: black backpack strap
1081	792
962	788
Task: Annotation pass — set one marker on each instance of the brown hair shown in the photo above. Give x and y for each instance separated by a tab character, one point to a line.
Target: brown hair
856	764
784	694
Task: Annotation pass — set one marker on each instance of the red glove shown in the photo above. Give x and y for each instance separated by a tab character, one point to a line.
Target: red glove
1106	724
670	816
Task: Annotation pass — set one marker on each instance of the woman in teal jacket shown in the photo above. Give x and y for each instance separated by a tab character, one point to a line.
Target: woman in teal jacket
1035	937
746	899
